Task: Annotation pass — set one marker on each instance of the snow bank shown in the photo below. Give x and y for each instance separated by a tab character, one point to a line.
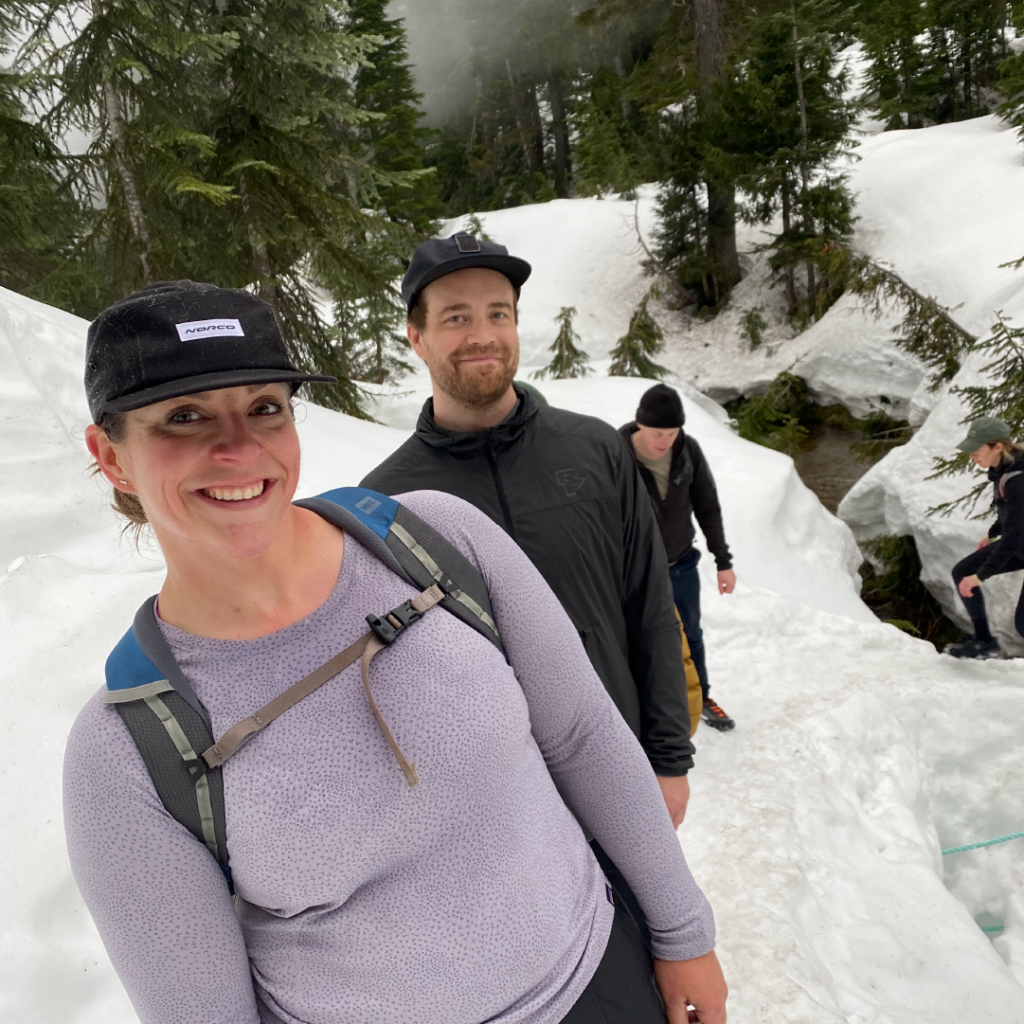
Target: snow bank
781	536
814	827
587	253
947	235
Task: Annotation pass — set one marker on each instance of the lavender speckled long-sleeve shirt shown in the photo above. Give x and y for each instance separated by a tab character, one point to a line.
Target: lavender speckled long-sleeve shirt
472	897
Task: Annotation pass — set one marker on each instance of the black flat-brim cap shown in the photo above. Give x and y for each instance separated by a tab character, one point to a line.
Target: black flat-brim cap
179	338
442	256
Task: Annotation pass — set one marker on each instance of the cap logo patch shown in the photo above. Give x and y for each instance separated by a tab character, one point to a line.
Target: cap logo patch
467	243
194	329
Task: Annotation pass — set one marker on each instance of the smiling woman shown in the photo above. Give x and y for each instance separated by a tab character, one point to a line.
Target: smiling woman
303	876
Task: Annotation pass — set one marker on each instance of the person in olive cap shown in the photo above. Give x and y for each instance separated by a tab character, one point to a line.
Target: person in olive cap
1002	549
563	486
679	481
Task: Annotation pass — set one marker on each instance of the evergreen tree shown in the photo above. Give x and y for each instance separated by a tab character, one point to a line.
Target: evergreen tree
966	44
227	147
932	62
371	317
899	81
633	355
39	218
1011	84
567	359
394	141
787	87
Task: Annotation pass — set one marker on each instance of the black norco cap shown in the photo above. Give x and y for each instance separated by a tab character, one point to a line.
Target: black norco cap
441	256
178	337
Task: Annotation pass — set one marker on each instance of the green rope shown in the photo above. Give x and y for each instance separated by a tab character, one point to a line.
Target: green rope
987	842
992	929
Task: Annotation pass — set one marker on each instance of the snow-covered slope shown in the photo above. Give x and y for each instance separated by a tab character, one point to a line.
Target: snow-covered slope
814	827
956	199
921	209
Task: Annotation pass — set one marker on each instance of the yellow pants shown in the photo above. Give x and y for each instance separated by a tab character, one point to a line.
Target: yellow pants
693	690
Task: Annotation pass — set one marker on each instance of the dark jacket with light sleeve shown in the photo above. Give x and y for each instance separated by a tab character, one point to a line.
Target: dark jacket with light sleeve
691	492
565	488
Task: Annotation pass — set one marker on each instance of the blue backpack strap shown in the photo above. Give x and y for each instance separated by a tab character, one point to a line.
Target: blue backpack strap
143	660
413	550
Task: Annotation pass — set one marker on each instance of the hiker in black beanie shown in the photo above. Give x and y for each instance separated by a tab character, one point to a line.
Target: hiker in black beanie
680	483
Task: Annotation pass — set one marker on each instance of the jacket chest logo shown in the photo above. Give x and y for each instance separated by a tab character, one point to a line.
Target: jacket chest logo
570	481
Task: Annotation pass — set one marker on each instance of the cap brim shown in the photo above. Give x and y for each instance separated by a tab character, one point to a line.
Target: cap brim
210	382
516	270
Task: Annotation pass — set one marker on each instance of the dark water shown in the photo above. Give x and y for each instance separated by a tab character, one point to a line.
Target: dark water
826	463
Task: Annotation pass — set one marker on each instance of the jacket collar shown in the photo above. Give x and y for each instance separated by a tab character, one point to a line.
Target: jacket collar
1006	467
504	435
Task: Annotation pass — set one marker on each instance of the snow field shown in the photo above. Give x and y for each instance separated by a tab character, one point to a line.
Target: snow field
946	207
816	826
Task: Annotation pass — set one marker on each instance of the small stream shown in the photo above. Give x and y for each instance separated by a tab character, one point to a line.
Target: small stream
829	465
826	463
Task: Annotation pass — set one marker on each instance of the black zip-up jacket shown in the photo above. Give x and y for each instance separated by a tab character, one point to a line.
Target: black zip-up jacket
691	491
1008	529
565	489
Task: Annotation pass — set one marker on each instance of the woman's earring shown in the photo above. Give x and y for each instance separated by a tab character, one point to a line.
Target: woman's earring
123	481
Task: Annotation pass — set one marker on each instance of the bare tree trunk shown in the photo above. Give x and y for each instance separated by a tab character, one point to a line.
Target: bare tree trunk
132	201
805	217
707	16
787	220
261	264
529	93
517	105
620	70
560	131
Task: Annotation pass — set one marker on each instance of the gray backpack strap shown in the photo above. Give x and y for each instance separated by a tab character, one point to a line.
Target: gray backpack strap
383	632
169	734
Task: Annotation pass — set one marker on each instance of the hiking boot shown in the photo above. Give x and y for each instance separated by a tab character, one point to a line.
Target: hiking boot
972	647
716	717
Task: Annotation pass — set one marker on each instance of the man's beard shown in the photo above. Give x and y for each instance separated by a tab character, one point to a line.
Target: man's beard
475	385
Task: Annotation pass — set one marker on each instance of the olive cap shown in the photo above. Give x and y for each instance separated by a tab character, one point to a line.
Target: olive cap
984	430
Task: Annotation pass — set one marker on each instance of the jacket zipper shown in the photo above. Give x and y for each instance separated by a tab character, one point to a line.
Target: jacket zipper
505	511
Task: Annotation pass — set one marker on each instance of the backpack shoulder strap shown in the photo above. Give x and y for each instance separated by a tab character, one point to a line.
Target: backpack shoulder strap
168	722
169	733
1004	478
413	550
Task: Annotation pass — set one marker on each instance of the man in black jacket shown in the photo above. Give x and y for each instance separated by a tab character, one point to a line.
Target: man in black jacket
680	484
564	486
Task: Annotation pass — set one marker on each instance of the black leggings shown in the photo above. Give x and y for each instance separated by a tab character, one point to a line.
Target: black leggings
622	991
975	604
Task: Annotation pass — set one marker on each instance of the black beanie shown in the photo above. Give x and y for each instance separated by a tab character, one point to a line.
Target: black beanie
661	408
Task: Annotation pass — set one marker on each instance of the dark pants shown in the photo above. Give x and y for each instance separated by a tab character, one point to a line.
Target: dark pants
622	991
686	591
975	604
624	895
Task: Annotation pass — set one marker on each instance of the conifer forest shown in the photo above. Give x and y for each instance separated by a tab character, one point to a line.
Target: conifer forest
288	146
